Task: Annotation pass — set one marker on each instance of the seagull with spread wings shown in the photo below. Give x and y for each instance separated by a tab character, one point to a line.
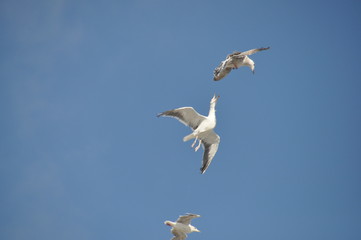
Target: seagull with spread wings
234	61
182	226
202	127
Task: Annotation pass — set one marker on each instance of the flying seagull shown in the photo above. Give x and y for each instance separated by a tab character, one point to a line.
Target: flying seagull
202	127
234	61
182	226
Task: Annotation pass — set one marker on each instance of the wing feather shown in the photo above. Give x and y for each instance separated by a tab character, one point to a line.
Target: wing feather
210	143
249	52
178	235
186	219
186	115
222	70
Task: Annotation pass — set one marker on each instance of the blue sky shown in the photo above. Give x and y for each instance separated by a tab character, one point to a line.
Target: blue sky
85	157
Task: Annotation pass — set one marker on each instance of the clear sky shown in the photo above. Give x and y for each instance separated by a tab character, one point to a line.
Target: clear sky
83	155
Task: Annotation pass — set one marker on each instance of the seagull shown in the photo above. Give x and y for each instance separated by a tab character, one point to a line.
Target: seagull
202	127
234	61
182	226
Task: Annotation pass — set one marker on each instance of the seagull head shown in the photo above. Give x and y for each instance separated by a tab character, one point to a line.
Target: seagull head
214	99
169	223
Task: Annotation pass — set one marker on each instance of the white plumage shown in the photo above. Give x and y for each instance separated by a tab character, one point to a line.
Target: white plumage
202	127
182	226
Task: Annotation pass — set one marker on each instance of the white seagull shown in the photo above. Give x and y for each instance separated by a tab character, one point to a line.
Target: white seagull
202	127
234	61
182	226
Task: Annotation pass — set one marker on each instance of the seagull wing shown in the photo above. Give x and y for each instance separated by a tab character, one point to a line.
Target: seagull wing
186	219
186	115
210	142
249	52
222	70
178	235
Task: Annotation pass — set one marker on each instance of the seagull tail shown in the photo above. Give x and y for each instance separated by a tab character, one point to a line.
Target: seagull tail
188	137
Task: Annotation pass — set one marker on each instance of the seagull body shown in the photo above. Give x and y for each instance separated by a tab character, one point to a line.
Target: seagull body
182	226
234	61
202	127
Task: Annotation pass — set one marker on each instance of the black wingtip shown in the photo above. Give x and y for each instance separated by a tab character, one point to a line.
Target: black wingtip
264	48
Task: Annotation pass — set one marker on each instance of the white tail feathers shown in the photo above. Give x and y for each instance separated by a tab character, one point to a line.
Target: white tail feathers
188	137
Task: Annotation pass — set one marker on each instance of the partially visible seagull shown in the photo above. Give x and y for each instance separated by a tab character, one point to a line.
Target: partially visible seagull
234	61
202	129
182	226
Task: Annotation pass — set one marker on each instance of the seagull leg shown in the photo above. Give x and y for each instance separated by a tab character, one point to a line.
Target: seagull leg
199	145
194	143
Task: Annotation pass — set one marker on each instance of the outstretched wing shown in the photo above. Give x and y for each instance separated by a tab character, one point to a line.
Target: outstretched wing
186	219
186	115
210	143
221	70
249	52
178	235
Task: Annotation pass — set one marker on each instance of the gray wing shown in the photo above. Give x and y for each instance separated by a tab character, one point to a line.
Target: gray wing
249	52
178	235
186	115
210	143
186	219
222	70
